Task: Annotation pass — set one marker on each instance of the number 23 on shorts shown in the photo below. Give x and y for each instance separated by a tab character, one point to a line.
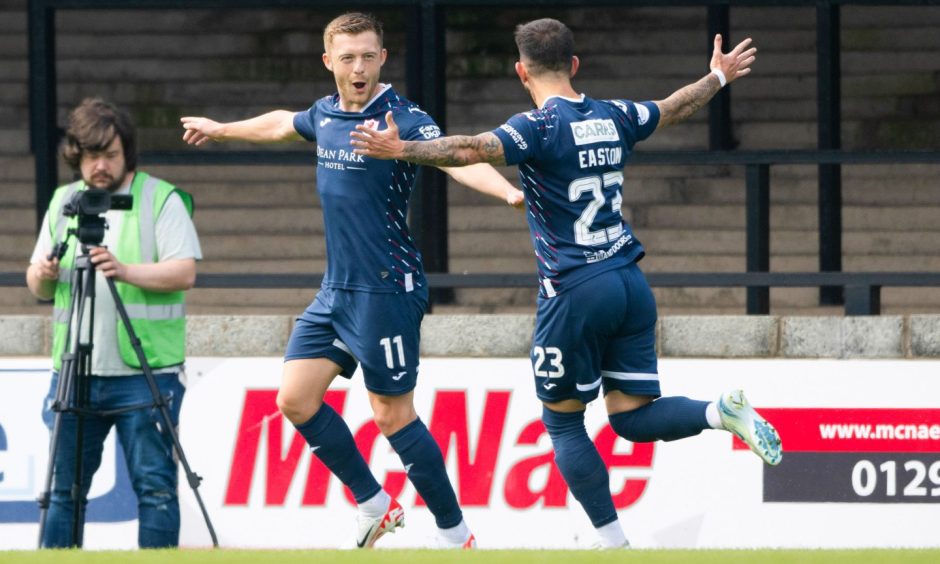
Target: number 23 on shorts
547	362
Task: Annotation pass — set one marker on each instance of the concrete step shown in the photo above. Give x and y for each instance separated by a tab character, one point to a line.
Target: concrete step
787	242
166	42
16	219
222	99
261	221
670	301
14	141
236	247
17	246
659	262
14	69
74	68
16	168
15	93
894	16
927	299
254	195
495	217
298	298
853	16
13	16
258	175
882	218
494	264
483	243
255	265
199	20
14	118
14	300
724	300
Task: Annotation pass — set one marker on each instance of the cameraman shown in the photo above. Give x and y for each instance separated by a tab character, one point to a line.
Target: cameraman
150	251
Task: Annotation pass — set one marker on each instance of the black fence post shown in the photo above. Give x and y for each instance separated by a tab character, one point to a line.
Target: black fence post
719	109
425	77
864	299
829	95
43	127
758	234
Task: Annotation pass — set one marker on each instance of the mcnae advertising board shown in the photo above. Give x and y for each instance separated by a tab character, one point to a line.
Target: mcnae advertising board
861	464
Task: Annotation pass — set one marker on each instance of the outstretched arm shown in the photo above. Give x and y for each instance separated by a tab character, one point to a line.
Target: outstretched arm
266	128
487	180
457	150
687	100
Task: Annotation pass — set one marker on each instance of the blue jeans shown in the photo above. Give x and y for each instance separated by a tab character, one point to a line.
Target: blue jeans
148	450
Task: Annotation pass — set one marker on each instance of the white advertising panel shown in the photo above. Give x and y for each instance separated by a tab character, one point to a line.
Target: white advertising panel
861	463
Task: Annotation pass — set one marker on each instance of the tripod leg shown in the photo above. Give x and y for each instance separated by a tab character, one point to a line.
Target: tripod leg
71	364
45	497
191	477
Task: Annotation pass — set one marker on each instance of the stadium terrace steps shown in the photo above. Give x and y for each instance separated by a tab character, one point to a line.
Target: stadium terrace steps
266	218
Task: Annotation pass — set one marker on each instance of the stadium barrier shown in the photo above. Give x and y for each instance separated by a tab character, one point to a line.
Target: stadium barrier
719	336
861	469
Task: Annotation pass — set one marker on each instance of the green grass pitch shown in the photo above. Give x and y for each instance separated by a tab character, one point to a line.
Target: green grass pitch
227	556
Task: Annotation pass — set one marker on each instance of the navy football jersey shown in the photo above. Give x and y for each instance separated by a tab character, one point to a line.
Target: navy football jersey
365	200
571	154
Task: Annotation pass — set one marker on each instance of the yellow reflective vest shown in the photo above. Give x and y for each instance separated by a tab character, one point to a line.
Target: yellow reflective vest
158	318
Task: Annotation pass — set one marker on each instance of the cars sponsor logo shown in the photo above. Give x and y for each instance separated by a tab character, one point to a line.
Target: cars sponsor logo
594	131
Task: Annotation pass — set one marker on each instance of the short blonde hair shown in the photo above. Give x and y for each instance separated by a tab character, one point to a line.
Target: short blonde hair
351	23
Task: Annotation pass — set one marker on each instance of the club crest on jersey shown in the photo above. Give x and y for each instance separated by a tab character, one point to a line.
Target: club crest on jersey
371	124
594	131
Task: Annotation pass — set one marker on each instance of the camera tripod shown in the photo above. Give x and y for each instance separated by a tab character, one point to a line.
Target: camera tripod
72	393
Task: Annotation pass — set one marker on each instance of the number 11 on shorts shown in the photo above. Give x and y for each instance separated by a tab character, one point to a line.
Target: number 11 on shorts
387	343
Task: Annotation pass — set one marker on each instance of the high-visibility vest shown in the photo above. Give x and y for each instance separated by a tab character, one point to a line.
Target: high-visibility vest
158	318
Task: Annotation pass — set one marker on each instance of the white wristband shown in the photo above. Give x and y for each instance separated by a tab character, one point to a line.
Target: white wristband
721	76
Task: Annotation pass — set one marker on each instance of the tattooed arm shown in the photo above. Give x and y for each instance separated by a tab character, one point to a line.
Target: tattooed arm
458	150
689	99
682	103
466	159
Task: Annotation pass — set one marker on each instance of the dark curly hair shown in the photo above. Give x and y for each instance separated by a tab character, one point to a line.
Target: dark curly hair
93	124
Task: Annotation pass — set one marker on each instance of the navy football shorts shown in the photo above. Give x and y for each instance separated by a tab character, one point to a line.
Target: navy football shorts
600	334
381	331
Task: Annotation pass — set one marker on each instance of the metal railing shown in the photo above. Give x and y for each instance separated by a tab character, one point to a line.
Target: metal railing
426	83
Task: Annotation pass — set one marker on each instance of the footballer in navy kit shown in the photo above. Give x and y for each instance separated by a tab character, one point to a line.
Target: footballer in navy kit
571	153
596	318
374	293
368	247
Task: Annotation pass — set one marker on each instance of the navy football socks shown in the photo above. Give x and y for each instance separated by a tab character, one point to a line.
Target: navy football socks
424	465
664	419
330	440
581	465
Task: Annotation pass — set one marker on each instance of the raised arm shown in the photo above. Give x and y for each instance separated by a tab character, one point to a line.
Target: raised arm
487	180
687	100
267	128
457	150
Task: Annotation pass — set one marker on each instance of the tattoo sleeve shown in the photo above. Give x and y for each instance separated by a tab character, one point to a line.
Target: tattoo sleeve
457	150
687	100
